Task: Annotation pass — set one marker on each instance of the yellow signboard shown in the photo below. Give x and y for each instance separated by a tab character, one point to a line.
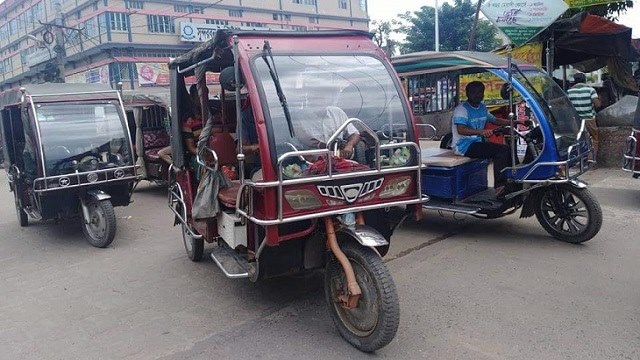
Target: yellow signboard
529	53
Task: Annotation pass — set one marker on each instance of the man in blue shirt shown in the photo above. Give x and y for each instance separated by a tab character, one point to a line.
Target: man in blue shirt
469	134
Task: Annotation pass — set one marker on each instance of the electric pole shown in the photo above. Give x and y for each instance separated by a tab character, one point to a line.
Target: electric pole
59	47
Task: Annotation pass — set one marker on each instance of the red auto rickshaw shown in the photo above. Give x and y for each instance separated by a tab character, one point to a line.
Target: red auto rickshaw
332	145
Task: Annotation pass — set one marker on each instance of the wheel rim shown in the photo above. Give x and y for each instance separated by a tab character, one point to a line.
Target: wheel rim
363	319
565	212
97	226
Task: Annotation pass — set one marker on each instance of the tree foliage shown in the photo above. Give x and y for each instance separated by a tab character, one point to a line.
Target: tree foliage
611	11
455	23
382	31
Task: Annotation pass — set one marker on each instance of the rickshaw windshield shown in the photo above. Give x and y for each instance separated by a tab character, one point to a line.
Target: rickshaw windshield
82	137
555	105
324	91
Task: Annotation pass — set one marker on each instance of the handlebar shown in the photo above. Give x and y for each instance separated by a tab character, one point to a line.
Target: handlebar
200	160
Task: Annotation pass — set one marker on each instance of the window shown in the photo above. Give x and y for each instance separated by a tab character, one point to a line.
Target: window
90	28
131	4
78	15
363	5
342	4
118	21
253	24
282	17
122	71
298	28
6	66
305	2
235	13
276	17
160	24
217	22
188	9
313	20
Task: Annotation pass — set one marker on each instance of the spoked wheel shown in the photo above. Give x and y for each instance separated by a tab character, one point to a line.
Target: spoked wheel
374	322
23	218
569	214
100	228
193	246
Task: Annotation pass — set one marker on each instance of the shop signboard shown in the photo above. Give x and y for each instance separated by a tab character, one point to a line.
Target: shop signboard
521	20
198	32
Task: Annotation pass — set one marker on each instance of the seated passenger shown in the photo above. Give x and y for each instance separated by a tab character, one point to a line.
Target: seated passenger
469	134
323	121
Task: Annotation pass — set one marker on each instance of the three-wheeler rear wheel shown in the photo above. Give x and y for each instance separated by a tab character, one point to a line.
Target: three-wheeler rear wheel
100	228
374	322
194	247
569	213
23	218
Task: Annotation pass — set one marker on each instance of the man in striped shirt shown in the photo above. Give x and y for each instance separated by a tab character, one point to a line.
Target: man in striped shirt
585	99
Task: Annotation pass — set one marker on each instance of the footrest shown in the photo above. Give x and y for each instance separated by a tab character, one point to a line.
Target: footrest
232	264
448	207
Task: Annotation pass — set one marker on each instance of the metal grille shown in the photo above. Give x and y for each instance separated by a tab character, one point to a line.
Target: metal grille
432	92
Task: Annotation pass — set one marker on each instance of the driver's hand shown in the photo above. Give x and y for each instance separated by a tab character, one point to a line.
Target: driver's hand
346	152
487	133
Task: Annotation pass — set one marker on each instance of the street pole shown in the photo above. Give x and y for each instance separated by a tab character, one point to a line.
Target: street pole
472	37
437	29
59	48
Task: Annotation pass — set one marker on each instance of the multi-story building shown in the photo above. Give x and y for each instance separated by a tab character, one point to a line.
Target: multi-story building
131	41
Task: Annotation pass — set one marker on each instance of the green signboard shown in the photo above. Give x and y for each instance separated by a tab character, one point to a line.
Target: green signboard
521	20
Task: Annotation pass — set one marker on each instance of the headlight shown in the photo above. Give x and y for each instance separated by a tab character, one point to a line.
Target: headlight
302	199
395	187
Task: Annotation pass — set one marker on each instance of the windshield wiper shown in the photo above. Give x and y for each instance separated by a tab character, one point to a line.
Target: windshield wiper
266	50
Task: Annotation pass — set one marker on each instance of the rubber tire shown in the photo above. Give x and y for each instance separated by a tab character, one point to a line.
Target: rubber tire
23	218
197	245
388	303
591	204
110	222
445	143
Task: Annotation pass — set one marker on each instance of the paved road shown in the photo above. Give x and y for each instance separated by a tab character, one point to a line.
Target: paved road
469	289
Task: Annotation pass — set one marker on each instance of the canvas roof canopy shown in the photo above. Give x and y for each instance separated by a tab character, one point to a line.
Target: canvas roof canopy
54	92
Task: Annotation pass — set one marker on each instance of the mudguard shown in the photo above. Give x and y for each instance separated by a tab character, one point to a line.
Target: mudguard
528	208
98	195
363	234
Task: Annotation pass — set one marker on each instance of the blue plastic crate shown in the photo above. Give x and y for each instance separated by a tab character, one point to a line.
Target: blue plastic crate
456	182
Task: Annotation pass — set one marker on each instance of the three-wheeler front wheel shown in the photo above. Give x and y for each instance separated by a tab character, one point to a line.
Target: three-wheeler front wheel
373	323
569	213
100	227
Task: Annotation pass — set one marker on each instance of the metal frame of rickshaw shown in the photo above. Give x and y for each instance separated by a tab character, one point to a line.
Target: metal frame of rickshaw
45	179
551	188
631	154
70	183
274	184
278	184
527	173
148	101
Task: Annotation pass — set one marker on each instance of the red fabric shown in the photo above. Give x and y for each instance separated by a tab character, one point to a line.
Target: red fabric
155	139
228	195
593	24
152	154
339	165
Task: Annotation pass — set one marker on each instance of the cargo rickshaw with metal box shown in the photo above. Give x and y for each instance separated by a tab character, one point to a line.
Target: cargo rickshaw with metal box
631	156
68	154
547	140
333	142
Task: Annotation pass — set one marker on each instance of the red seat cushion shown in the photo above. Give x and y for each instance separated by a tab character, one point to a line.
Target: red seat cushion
228	195
152	154
155	139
